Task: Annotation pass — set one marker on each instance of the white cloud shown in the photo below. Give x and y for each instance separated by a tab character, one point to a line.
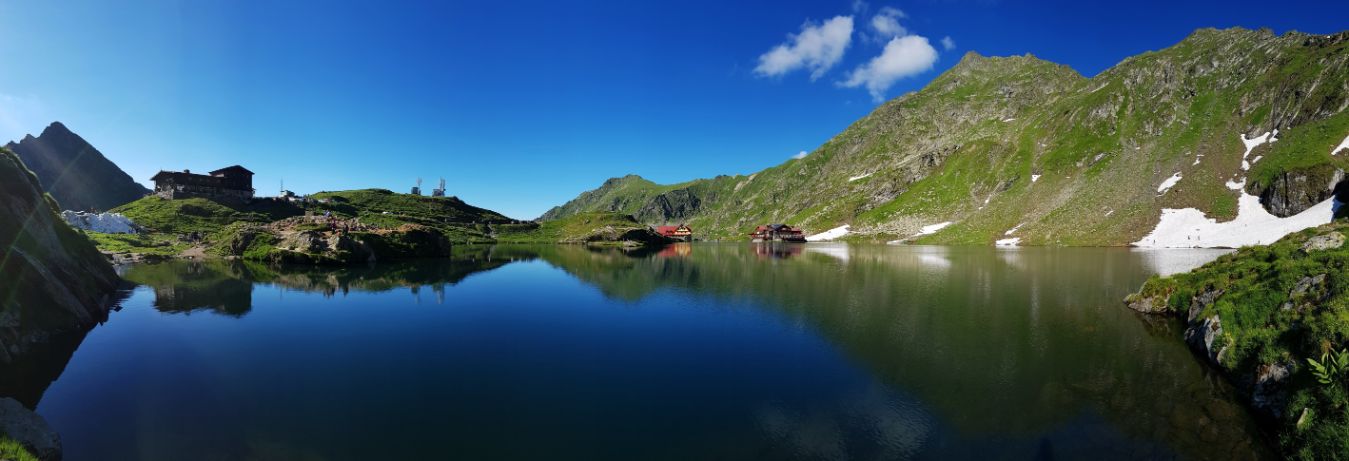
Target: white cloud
902	57
886	23
948	44
800	155
817	48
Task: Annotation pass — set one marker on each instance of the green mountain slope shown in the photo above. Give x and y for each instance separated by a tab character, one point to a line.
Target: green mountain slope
996	144
76	174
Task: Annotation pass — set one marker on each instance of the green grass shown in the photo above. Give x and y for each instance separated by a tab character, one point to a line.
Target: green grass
147	244
11	450
1305	147
203	216
1256	283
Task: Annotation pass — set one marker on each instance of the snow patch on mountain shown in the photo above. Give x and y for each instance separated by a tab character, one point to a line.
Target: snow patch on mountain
830	234
107	223
1343	145
932	228
1168	183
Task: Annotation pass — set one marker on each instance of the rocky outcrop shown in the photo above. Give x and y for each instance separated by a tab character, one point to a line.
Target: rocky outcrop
29	429
673	206
76	174
54	279
1294	191
1268	395
622	235
1326	241
290	241
1149	304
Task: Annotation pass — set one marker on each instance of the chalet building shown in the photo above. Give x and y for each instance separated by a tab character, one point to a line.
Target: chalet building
777	233
681	232
229	183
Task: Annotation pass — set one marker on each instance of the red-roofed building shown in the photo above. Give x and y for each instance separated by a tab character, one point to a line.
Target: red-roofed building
680	232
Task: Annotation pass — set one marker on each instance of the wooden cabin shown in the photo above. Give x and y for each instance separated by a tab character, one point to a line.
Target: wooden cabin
777	233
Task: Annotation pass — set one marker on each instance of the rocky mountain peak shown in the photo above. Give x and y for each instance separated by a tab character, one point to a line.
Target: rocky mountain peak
75	173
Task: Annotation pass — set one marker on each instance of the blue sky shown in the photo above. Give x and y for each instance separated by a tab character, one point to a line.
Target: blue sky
522	105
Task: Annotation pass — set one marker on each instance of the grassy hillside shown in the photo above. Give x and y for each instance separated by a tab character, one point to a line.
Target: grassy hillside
460	221
1259	314
994	144
381	222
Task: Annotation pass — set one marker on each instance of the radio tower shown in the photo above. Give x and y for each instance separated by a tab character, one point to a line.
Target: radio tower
417	190
439	191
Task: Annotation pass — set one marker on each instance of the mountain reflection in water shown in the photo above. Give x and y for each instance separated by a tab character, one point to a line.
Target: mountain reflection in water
821	351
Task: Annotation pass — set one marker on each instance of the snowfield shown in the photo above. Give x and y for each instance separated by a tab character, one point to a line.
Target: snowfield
854	178
1011	242
829	234
932	228
1168	183
1190	228
107	223
1343	145
1034	177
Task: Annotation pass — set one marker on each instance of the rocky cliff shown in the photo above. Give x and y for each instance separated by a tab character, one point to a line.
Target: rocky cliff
1018	147
54	280
74	172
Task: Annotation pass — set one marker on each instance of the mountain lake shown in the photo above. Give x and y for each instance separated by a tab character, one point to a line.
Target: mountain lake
691	351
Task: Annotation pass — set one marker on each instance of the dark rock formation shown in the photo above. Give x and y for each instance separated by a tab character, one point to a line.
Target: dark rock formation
29	429
1294	191
74	172
54	279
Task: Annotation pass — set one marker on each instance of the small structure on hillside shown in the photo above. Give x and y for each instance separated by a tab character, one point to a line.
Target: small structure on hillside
680	233
417	189
439	191
777	233
229	183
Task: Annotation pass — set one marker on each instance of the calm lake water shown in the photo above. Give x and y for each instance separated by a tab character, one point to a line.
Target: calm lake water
716	351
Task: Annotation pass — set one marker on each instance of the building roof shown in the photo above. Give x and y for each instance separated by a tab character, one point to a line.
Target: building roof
162	174
232	169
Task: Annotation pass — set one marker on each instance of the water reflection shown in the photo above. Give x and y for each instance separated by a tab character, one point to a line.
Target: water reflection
1003	341
969	352
226	286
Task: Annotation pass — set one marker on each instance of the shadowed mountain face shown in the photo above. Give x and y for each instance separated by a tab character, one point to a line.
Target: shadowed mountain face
76	174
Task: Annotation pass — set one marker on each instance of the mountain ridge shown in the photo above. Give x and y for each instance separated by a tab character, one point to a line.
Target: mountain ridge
1001	143
74	172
